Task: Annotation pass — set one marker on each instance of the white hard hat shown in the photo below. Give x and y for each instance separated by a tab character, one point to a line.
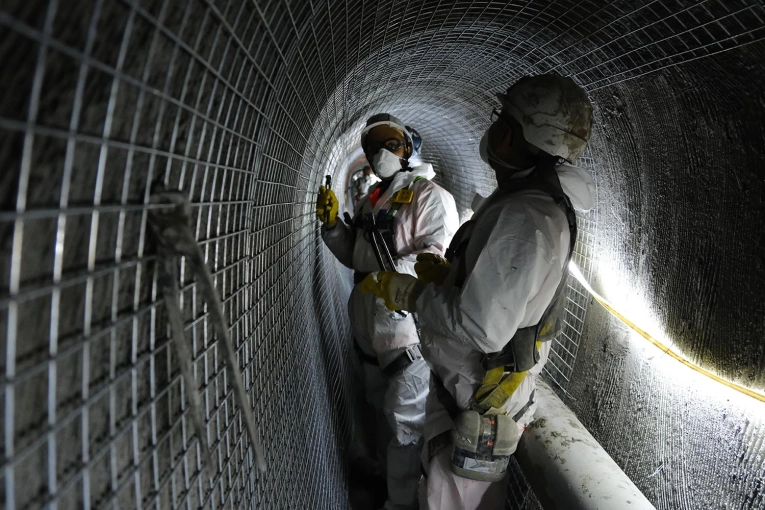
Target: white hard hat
554	112
386	119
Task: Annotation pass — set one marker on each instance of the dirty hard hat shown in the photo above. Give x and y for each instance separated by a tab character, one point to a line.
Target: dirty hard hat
554	112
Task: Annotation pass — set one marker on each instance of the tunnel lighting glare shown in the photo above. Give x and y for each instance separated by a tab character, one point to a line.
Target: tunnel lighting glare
663	347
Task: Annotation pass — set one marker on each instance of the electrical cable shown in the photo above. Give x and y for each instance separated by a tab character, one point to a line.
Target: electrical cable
576	273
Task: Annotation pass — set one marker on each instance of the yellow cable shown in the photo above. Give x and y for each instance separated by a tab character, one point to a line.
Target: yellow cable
664	348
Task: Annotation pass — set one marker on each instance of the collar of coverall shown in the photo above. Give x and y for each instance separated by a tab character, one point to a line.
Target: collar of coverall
402	180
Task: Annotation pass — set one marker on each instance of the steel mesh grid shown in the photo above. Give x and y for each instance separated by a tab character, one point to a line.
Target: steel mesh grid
122	472
519	493
217	98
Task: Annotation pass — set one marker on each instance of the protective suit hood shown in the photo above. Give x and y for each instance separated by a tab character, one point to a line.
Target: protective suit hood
423	170
577	183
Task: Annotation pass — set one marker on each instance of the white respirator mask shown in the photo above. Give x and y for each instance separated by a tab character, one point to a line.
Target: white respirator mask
386	164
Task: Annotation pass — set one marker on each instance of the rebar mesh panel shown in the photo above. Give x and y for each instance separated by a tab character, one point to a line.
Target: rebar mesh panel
244	105
124	96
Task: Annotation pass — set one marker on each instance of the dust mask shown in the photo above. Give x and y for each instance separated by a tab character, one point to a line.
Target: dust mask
386	164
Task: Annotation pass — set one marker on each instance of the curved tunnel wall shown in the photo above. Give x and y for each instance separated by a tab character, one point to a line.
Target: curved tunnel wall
245	106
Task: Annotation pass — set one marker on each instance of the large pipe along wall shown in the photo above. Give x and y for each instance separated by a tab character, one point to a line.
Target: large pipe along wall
245	106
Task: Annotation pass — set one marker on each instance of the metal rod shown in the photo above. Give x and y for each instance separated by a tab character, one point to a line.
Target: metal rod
168	281
173	232
376	249
387	263
221	328
386	250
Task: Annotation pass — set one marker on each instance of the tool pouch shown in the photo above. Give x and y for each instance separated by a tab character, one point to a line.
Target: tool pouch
482	445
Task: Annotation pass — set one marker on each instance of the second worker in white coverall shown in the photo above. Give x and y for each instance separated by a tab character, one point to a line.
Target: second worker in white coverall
406	214
490	310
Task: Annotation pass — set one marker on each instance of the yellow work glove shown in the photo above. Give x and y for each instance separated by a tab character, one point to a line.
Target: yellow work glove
432	268
398	291
327	207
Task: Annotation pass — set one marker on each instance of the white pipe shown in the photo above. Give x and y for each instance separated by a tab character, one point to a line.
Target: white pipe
566	467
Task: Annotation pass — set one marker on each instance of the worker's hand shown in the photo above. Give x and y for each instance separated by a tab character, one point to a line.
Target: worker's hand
327	207
398	291
432	268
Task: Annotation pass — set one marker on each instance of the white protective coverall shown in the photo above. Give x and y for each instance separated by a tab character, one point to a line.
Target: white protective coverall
427	224
514	262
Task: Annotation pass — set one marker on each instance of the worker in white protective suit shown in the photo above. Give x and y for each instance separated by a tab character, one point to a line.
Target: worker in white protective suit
363	181
404	215
489	311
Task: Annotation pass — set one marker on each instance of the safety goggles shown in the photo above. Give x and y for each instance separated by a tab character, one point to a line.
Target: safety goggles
392	145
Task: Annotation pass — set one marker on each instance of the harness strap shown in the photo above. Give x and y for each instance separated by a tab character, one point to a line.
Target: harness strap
406	358
496	388
457	249
366	358
506	369
399	198
358	277
385	217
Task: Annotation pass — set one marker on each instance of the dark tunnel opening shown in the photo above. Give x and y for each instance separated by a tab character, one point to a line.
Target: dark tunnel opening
246	106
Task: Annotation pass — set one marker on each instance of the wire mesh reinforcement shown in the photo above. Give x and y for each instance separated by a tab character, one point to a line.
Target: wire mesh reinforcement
244	105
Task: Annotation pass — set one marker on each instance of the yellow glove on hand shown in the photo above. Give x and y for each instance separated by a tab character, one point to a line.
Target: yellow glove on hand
398	291
327	207
432	268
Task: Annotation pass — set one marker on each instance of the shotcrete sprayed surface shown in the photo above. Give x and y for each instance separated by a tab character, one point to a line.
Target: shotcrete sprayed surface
680	248
682	220
685	443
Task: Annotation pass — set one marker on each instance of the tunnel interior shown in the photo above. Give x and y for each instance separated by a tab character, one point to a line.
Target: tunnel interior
245	106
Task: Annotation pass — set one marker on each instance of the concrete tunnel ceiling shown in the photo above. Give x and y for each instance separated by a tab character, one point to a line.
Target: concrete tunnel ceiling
246	105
